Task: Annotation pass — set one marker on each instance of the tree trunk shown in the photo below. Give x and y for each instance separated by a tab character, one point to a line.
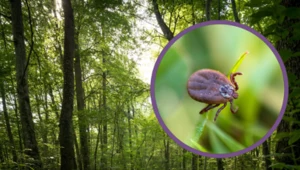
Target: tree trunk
77	151
82	122
7	123
219	9
66	138
104	121
220	164
205	163
208	2
194	161
96	148
29	138
165	29
183	159
130	140
167	153
235	13
266	153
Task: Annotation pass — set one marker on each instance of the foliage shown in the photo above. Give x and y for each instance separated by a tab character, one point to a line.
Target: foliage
116	31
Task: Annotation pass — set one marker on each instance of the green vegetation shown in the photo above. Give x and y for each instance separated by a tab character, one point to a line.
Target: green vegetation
111	124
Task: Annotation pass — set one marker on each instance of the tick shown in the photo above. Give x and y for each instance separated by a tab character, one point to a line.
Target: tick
213	88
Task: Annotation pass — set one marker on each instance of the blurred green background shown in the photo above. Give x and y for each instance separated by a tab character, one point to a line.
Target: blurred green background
261	89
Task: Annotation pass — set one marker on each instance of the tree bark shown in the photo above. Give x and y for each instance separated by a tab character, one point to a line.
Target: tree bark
194	161
183	159
205	163
220	164
82	122
266	153
235	13
208	2
219	9
130	140
77	152
22	85
66	138
7	123
165	29
104	121
167	153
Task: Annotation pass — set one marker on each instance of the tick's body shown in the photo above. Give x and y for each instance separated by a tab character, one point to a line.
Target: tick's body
214	88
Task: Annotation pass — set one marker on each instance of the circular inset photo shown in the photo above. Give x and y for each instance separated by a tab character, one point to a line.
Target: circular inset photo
219	89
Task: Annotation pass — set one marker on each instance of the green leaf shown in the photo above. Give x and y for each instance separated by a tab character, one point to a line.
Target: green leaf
294	138
278	165
296	35
199	130
197	146
285	54
238	63
263	12
295	93
282	135
292	78
296	54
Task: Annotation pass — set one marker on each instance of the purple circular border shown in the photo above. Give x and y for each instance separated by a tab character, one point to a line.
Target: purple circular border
152	87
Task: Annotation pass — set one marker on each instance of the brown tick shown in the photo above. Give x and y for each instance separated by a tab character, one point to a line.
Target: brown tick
214	88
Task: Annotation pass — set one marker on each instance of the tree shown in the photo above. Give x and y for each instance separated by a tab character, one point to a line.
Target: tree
28	132
235	13
66	126
82	120
165	29
207	9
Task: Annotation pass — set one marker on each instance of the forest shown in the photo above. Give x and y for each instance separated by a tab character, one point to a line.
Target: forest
75	82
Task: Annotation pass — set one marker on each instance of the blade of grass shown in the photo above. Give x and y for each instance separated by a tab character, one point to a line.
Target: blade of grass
238	63
231	143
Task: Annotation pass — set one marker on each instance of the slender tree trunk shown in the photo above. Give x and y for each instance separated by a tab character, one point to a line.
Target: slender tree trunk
53	105
200	162
220	164
77	151
104	122
235	13
207	9
130	140
82	122
7	123
167	153
266	153
219	9
1	154
66	137
29	138
194	20
205	163
194	161
46	132
96	148
17	122
165	29
183	159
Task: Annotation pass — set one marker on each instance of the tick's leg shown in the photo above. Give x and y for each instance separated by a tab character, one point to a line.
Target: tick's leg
231	107
208	107
219	110
233	79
